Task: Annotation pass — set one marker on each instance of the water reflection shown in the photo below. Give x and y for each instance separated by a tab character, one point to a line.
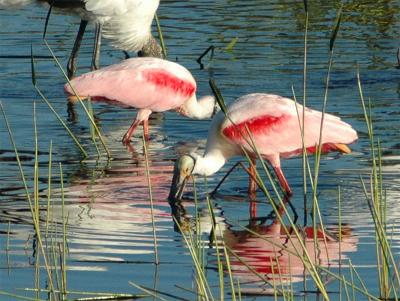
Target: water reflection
108	204
266	253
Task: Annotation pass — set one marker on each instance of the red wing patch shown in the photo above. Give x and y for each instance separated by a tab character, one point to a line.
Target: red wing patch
255	125
164	79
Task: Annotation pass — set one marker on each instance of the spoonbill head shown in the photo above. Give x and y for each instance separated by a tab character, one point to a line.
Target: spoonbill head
148	84
272	123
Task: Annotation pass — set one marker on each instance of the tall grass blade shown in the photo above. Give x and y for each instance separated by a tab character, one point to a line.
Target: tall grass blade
161	37
18	297
46	23
156	259
28	196
49	178
335	28
218	96
33	67
84	153
80	100
303	115
147	291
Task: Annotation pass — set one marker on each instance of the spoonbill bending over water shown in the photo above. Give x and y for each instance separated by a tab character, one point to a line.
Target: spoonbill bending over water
127	23
148	84
274	125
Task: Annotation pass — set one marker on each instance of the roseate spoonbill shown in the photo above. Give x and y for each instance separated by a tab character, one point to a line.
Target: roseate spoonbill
274	125
127	23
148	84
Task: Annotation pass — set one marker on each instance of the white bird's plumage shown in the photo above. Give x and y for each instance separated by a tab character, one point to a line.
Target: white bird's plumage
127	23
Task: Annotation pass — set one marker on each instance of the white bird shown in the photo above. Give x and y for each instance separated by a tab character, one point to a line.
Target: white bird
127	23
275	130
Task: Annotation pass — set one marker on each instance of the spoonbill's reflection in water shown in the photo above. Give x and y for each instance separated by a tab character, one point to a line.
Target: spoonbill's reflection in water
262	254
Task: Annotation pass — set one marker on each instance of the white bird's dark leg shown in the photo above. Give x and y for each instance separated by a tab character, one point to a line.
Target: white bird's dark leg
96	48
71	66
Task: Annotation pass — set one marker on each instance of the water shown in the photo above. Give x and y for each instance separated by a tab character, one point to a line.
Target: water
109	229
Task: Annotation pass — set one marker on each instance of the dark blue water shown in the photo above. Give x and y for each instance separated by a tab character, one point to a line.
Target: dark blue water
109	228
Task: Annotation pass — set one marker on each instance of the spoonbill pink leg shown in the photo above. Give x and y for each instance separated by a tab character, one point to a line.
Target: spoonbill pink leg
142	116
253	208
252	176
127	137
282	180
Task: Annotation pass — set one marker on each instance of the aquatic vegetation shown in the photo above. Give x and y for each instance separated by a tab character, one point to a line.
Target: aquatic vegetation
77	223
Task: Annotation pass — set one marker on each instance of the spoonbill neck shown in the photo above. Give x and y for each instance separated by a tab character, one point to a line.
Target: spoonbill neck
199	109
209	164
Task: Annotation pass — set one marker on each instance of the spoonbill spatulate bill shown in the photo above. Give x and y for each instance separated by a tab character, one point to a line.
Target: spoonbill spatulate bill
127	23
148	84
274	126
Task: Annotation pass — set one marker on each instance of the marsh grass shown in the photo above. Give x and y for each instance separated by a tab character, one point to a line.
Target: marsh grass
161	37
89	116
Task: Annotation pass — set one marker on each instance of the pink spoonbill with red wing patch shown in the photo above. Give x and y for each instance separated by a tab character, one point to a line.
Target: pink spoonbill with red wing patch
274	125
148	84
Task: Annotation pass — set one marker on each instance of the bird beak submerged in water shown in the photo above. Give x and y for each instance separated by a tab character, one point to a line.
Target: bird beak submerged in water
182	171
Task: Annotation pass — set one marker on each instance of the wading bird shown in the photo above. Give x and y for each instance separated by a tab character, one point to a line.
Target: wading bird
148	84
273	123
127	23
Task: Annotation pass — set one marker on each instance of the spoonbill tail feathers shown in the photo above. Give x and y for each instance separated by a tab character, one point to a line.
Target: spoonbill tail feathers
275	128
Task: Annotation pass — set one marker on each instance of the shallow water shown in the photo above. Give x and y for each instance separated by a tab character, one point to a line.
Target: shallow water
109	231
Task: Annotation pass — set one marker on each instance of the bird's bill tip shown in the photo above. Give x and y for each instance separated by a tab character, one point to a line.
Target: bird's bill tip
177	187
182	171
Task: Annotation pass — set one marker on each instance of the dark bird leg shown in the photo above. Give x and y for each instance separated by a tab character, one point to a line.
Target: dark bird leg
71	66
398	57
96	48
127	55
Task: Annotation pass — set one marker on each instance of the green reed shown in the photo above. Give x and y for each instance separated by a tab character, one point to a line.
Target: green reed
161	37
31	202
388	274
34	82
146	156
89	116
